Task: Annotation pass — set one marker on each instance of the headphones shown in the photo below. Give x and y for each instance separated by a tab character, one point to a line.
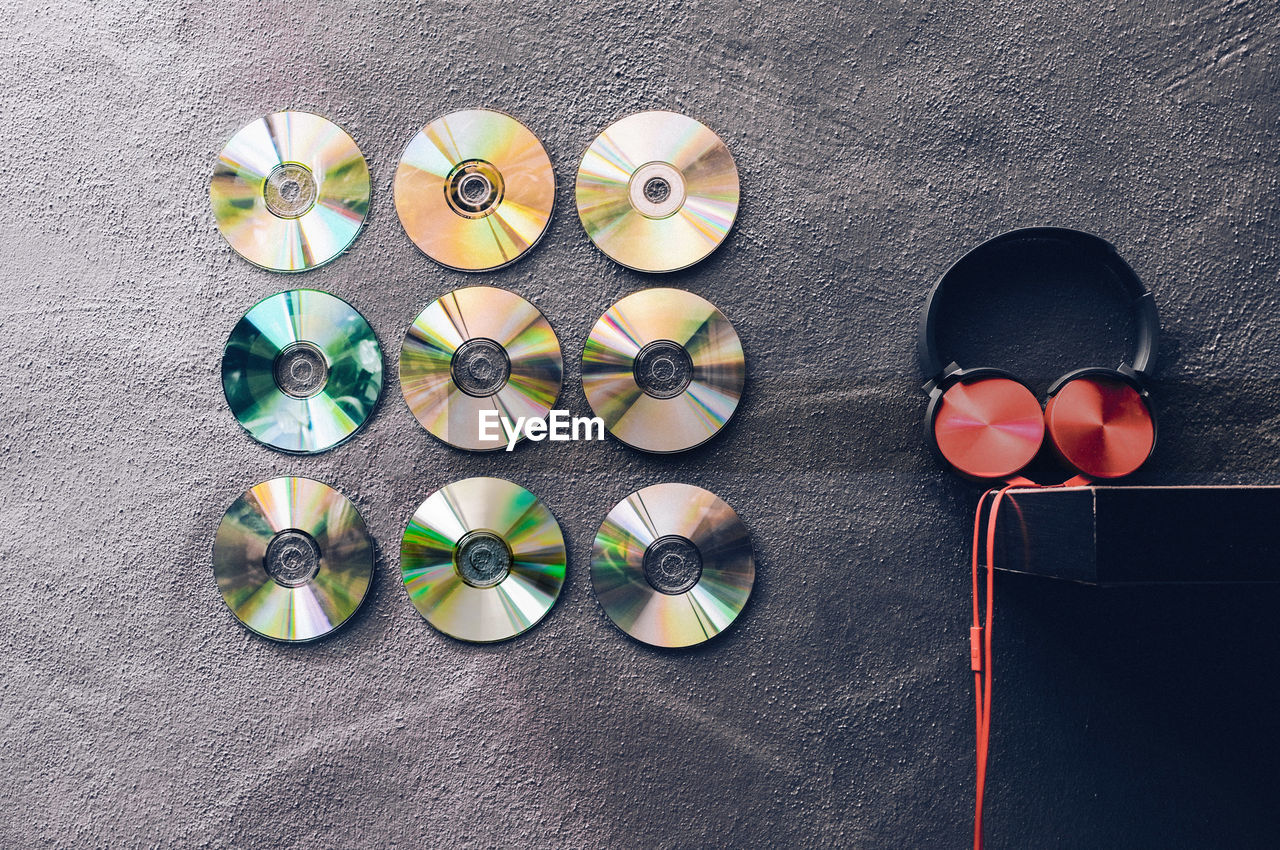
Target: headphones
987	424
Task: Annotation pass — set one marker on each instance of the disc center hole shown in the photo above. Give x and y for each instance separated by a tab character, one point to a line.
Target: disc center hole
672	564
474	188
292	558
480	367
657	189
482	559
301	370
663	369
290	190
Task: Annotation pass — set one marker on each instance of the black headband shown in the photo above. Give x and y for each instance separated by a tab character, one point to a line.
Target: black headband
1144	306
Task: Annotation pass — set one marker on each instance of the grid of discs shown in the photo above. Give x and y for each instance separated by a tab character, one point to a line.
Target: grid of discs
483	559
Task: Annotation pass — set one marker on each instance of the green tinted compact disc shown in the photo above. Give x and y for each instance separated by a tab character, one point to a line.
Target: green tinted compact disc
290	191
483	560
672	565
302	371
292	559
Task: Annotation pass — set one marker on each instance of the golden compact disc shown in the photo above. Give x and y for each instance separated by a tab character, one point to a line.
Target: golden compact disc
672	565
293	559
483	560
474	190
474	350
664	369
290	191
657	191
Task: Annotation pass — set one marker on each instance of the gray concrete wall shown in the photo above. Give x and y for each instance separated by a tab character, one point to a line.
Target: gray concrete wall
876	143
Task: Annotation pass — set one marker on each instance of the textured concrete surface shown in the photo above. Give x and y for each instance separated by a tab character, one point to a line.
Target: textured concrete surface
876	143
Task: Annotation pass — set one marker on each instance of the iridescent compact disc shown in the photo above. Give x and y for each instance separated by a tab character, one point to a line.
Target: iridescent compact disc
290	191
657	191
474	190
474	350
482	560
293	559
672	565
664	369
302	371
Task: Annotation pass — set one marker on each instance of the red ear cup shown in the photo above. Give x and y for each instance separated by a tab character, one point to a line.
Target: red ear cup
1100	425
988	428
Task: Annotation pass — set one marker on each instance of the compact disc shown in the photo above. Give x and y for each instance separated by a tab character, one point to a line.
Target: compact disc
290	191
657	191
482	560
302	371
479	349
474	190
672	565
293	559
664	369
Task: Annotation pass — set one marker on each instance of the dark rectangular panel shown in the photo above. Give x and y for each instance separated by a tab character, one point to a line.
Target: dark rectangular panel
1142	535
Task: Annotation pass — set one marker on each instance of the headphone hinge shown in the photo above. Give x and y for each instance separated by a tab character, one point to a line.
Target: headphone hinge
951	369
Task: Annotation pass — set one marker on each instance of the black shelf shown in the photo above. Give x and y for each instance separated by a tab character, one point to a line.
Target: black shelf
1117	536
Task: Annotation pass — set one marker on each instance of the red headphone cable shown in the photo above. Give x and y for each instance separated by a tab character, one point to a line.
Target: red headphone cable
980	631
